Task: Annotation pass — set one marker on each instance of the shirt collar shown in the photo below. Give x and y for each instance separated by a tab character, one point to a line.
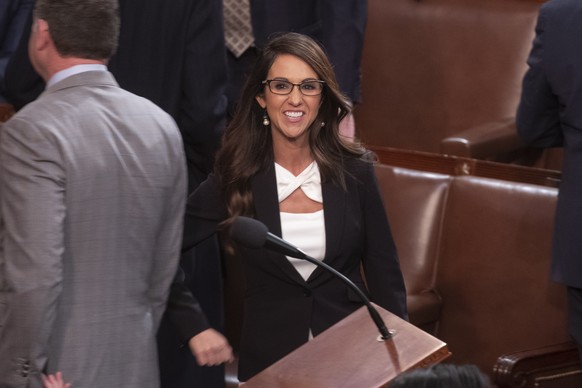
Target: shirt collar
61	75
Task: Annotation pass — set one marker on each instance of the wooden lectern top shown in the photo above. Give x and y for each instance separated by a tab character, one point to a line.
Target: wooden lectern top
350	354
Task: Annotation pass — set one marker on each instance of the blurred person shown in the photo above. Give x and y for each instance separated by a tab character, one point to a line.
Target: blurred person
13	16
283	162
92	193
550	115
442	376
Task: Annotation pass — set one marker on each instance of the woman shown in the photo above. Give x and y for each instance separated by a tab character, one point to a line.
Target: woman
283	162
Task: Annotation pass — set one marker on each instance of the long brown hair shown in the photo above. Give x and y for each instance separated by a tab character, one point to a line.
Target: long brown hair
247	144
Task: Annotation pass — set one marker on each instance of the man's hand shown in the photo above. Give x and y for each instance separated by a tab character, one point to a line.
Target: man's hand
210	348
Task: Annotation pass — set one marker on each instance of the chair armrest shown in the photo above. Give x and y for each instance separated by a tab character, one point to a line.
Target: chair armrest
550	366
487	141
424	310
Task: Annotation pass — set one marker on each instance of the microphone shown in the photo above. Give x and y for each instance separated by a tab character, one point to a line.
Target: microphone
254	234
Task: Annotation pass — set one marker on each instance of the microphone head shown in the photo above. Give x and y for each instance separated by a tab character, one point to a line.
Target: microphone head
249	232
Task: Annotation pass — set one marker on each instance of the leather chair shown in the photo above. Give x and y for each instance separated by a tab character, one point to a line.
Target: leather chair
433	69
474	242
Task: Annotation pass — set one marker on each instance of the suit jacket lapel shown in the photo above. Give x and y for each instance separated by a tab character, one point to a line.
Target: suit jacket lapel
265	198
334	203
104	78
264	188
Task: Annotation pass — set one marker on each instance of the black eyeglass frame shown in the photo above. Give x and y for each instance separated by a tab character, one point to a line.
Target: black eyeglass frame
268	83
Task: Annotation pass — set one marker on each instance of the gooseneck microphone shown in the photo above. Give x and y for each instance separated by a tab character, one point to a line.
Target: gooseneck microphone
254	234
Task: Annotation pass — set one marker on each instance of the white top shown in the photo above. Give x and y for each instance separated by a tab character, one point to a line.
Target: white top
307	232
304	230
309	180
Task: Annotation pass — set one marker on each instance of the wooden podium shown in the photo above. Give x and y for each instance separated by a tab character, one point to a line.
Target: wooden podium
350	354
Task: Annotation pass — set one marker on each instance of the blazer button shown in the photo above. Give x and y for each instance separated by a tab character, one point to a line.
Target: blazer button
306	292
25	369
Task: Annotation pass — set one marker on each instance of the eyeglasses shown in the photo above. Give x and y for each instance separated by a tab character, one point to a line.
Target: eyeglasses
307	88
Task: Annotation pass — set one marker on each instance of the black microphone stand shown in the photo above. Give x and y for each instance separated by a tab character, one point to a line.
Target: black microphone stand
254	234
384	332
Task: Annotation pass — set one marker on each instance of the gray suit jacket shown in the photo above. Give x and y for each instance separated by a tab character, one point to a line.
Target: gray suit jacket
92	192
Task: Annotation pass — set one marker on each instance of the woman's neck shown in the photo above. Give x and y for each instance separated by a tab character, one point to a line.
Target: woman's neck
293	159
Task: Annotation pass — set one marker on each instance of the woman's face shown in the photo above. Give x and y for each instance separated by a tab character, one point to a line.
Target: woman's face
290	114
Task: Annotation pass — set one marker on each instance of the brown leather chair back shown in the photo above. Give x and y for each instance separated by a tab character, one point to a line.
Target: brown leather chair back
431	68
415	203
493	270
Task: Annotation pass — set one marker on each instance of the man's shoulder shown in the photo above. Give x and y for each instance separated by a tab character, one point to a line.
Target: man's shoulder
66	109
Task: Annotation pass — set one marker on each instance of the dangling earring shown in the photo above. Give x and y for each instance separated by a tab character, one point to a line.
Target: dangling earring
266	120
322	124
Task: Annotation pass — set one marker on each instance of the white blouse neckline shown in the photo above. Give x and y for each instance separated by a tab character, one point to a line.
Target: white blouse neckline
309	180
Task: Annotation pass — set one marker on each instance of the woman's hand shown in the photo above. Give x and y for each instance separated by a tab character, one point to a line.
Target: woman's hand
210	348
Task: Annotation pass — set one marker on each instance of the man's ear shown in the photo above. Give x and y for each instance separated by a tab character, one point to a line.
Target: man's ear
42	36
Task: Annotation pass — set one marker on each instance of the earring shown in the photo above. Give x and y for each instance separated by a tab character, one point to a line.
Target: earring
322	124
266	120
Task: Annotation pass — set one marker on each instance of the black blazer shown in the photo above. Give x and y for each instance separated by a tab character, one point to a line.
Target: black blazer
280	307
338	24
172	53
550	115
13	17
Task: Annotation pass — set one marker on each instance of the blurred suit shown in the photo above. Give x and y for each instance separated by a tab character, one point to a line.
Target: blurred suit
13	16
550	115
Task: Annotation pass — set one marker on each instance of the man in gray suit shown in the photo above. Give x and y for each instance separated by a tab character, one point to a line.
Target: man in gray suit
92	192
